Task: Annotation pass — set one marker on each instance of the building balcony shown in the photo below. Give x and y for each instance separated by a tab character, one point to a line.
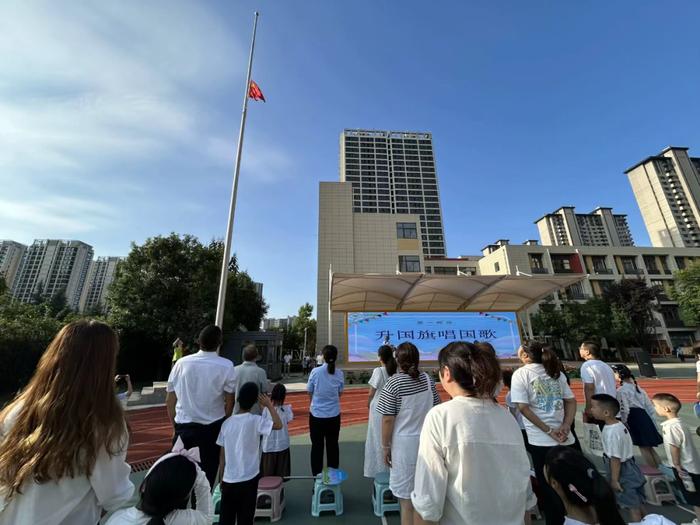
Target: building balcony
602	271
563	270
539	270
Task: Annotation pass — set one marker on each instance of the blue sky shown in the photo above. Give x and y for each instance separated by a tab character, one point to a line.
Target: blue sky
118	120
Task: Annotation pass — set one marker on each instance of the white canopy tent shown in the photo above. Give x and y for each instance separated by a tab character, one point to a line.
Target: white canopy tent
442	293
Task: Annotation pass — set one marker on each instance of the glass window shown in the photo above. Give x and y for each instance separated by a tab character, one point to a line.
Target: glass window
406	230
409	263
497	267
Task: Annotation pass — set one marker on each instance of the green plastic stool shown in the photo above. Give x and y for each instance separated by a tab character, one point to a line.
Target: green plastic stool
216	499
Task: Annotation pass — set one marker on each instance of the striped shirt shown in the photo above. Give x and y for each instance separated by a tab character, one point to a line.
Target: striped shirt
402	385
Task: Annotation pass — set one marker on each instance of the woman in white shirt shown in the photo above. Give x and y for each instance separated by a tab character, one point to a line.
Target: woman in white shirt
68	425
472	465
166	493
548	406
374	455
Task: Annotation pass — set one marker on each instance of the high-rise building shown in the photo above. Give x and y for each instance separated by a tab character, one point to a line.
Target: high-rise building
601	227
50	266
393	172
11	253
280	323
667	189
100	275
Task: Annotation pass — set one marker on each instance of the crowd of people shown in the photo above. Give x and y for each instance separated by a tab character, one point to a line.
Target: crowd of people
468	460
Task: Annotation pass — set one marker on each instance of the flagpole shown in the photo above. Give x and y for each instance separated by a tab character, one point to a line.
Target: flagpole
234	190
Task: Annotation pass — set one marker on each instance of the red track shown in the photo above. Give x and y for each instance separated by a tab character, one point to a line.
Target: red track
151	432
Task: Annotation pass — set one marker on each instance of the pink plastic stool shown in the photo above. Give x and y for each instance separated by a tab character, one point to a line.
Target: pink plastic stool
657	488
270	487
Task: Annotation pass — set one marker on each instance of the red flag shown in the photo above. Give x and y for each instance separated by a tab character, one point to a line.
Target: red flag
254	92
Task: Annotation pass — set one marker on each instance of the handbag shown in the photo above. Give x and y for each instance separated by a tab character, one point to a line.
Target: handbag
593	439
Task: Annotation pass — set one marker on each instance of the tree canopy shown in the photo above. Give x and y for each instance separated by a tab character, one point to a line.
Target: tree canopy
687	292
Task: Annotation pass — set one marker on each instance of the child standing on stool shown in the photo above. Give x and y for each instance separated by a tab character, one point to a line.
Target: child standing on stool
626	479
276	460
637	412
680	450
239	468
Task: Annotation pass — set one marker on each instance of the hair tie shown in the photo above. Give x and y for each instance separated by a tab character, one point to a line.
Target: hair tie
575	491
590	473
179	450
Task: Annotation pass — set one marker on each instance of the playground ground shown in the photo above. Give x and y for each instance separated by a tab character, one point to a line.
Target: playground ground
151	435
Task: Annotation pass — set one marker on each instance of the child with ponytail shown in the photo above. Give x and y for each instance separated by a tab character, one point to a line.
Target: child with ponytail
587	496
637	412
166	493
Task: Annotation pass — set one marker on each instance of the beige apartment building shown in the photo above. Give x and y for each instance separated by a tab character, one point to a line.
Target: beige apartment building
100	275
350	242
11	253
601	227
667	189
602	265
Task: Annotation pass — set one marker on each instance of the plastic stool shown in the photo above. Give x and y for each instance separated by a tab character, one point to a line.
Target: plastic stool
657	488
381	490
216	500
317	507
270	487
675	485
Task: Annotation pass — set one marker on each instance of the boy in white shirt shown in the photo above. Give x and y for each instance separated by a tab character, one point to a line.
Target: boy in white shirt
239	467
680	449
625	477
598	378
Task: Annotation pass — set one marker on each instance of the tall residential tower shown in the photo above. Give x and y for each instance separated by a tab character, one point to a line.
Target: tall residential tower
11	254
667	189
394	172
99	277
601	227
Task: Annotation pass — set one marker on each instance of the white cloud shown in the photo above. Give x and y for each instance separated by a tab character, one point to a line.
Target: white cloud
262	162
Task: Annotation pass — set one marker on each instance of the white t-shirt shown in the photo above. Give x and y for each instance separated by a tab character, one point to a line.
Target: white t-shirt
278	440
287	359
240	436
697	366
74	501
601	375
531	385
466	445
629	398
675	433
202	515
319	360
199	382
617	442
514	410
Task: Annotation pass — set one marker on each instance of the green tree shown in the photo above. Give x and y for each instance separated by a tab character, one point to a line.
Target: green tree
634	301
167	288
304	321
686	291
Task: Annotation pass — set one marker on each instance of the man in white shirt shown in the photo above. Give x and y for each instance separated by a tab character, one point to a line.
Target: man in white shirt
201	394
287	363
597	377
250	372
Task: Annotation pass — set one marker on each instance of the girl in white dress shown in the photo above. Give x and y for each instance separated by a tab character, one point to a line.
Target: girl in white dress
374	455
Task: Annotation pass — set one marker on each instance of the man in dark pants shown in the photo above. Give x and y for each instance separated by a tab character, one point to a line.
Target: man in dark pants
201	394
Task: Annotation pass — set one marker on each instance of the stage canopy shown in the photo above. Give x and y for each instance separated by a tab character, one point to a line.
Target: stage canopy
442	293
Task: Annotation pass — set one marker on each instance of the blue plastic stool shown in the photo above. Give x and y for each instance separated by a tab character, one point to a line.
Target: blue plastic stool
317	507
381	487
216	499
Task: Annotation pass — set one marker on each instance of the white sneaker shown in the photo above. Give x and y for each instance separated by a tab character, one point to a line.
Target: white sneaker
694	522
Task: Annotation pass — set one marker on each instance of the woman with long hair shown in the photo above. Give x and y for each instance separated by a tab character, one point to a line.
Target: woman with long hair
63	439
548	406
586	495
374	457
472	465
325	385
403	403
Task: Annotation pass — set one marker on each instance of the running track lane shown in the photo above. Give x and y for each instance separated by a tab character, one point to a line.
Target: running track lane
151	432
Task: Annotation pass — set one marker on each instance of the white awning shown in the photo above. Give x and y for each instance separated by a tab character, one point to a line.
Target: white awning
442	293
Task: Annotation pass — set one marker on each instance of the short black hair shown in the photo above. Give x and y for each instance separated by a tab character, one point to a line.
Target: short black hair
592	348
248	396
210	338
668	400
279	392
609	403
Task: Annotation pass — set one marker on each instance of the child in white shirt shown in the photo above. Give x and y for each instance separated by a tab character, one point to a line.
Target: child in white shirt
680	449
625	477
276	460
239	467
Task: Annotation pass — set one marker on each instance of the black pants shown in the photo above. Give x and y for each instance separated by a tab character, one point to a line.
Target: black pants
551	505
238	502
324	430
204	437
